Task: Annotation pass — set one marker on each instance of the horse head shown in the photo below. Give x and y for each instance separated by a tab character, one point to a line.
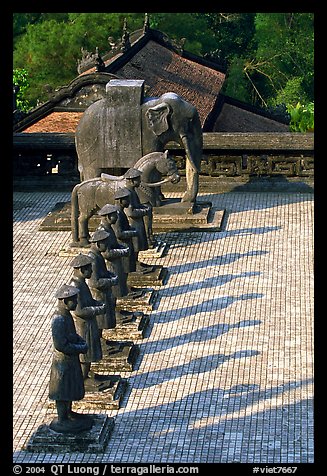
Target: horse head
156	164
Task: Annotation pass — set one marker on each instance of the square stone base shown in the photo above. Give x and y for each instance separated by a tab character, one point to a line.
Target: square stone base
94	440
105	400
108	399
144	303
156	252
117	357
180	216
157	277
129	328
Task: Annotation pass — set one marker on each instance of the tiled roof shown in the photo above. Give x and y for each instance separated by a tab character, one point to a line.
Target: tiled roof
64	122
235	119
165	71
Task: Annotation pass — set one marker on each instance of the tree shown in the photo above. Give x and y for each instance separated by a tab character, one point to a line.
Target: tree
21	83
269	56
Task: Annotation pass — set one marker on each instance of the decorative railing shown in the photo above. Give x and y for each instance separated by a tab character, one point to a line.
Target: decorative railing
224	154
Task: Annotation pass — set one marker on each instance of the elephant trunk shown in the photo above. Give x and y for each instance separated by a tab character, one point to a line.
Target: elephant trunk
189	153
74	213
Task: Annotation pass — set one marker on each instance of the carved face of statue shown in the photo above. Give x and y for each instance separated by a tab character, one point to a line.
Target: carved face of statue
112	218
102	245
71	302
125	201
133	182
86	271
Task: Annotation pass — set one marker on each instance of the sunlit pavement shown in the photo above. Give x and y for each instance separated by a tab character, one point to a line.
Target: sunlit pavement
225	371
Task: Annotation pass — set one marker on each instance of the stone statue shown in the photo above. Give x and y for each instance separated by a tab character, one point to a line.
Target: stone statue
123	230
149	124
66	378
102	280
92	194
115	252
85	320
136	212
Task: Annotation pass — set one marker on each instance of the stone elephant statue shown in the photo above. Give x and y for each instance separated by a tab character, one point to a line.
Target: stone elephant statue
113	132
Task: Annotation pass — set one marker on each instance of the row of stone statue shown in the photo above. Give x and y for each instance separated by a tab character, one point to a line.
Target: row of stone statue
87	306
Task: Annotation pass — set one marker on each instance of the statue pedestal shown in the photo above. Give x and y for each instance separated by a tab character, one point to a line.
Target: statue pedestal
157	277
156	252
108	399
130	327
174	215
95	440
117	357
144	302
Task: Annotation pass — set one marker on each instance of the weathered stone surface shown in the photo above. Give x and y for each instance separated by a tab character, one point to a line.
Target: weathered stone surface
117	357
127	328
94	440
157	277
108	399
157	252
104	400
143	303
179	216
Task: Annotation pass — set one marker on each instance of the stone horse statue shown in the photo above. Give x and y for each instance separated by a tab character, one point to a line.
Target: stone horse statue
91	195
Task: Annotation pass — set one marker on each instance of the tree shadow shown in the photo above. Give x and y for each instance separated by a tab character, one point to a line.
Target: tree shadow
211	418
216	261
211	305
200	365
182	240
199	335
212	282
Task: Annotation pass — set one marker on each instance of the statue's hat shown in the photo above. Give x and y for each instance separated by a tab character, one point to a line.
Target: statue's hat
66	291
107	209
132	173
98	235
122	193
81	260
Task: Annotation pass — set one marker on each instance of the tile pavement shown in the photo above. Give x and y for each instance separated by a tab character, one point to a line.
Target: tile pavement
225	372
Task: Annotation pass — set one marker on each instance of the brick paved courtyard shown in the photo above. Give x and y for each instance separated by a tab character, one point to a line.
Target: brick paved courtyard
225	372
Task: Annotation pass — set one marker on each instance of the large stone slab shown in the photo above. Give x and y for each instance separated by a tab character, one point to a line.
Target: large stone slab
175	215
108	399
157	277
144	302
95	440
117	357
130	327
171	216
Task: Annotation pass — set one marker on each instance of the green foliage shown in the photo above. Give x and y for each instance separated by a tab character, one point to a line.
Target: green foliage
302	117
269	56
20	79
233	33
192	27
50	46
282	67
236	84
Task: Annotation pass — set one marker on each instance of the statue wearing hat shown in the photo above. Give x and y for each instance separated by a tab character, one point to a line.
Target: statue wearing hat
85	319
123	230
115	251
102	280
136	212
66	379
